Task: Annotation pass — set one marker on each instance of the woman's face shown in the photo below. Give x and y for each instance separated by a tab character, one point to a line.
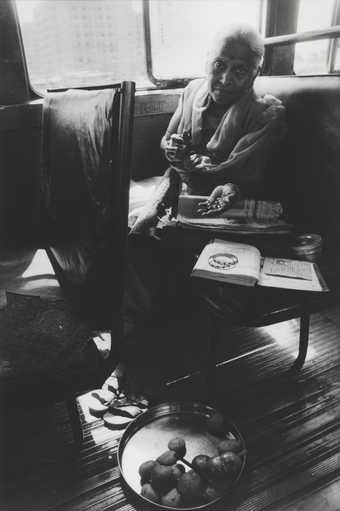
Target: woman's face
230	72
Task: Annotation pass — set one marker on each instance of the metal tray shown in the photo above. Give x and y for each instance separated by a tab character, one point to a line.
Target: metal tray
148	435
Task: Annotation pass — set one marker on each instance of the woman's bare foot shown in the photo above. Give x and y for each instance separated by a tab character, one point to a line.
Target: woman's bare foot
125	386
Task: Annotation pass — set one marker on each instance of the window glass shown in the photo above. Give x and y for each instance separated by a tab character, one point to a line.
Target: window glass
70	43
181	31
312	57
314	15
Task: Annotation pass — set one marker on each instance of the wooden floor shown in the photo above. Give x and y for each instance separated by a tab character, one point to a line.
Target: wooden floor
291	427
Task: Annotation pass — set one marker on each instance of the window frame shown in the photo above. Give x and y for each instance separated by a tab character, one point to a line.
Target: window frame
159	83
273	11
332	34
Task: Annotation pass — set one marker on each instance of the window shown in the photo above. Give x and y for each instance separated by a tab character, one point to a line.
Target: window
312	57
70	43
181	32
64	42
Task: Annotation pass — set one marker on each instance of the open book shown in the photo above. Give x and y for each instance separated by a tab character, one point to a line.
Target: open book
238	263
246	216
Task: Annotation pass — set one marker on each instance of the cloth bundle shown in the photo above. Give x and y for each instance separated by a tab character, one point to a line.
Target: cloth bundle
248	214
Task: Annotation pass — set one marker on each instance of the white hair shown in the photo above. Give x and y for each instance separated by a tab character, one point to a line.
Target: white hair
245	35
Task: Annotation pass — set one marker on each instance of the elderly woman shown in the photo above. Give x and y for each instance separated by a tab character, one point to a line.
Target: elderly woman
217	142
224	133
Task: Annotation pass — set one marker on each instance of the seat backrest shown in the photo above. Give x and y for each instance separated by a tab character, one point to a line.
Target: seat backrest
86	150
306	167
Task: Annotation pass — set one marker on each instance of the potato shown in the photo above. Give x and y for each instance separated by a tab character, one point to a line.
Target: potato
215	468
172	498
177	445
190	486
149	493
232	463
167	458
200	463
162	478
145	470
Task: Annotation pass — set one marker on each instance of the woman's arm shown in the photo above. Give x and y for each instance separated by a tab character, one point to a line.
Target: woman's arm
165	196
173	124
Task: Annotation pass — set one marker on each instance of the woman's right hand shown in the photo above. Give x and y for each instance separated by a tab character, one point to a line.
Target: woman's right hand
176	149
174	154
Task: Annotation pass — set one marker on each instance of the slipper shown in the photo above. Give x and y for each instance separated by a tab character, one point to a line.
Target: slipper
95	407
113	421
104	396
131	411
109	400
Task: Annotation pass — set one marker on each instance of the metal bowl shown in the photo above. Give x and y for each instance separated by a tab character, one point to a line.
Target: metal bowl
148	435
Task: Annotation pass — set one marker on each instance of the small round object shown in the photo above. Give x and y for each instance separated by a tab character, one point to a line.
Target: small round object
162	478
223	261
232	463
177	445
200	463
145	470
191	486
216	468
168	458
172	498
150	493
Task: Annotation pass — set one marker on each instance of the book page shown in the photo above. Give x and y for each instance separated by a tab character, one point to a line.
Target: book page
288	268
227	261
290	274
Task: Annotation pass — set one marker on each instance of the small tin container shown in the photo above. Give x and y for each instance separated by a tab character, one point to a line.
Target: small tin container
307	247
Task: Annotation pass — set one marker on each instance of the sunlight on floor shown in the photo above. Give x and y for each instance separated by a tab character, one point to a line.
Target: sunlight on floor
40	265
286	335
101	433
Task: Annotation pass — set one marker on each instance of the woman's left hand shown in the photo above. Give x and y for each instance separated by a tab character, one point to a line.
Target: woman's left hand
221	199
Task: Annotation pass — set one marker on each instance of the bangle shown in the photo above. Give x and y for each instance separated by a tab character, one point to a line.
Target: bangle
223	261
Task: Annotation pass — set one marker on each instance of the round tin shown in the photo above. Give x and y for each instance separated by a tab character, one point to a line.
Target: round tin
148	435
